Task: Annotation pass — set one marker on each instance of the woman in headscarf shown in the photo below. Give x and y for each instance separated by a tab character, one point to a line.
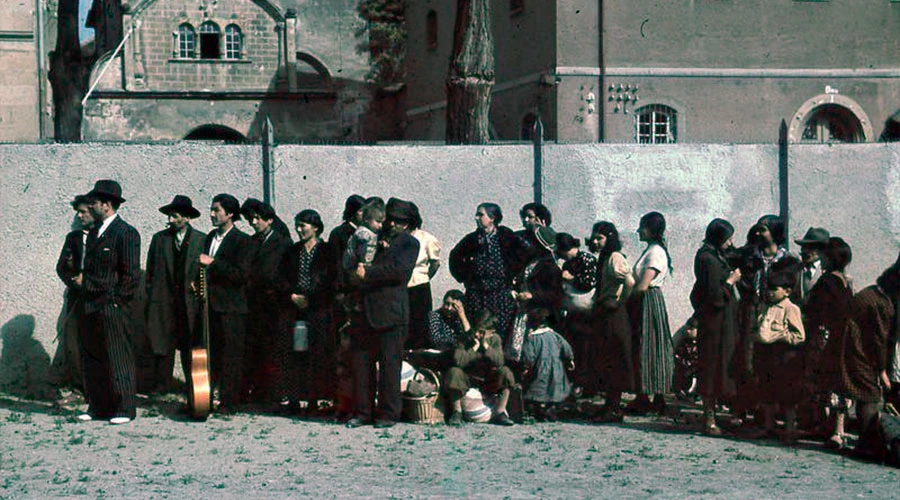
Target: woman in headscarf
715	302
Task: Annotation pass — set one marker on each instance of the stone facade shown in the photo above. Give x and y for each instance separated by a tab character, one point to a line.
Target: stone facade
27	34
219	68
664	71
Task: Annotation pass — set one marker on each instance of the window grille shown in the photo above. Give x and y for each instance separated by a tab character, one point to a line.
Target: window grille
655	124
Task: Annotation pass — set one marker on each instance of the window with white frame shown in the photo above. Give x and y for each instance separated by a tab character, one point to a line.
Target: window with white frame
655	124
210	41
232	42
187	42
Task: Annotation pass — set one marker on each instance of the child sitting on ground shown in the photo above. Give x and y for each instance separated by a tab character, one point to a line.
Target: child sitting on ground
478	362
778	360
546	356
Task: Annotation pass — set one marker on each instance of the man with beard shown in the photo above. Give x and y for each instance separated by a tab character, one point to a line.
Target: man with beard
227	257
110	277
66	372
172	309
386	319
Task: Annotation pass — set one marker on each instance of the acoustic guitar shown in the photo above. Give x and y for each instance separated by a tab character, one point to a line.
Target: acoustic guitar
199	402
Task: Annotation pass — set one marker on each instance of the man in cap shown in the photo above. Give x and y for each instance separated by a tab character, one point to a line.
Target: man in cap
66	372
109	280
173	263
812	246
386	319
227	257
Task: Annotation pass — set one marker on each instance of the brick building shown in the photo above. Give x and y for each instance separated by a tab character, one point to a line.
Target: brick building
27	32
672	71
216	69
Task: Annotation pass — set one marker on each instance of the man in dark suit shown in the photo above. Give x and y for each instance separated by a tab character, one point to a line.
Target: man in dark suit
386	318
172	312
227	259
268	298
66	372
109	280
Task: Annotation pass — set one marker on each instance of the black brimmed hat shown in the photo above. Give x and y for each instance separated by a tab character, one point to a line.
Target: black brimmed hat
181	205
107	190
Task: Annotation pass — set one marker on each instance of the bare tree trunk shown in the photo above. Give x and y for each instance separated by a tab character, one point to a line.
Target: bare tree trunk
69	74
471	75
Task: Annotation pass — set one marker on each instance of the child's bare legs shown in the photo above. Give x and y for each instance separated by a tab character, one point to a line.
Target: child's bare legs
502	400
709	417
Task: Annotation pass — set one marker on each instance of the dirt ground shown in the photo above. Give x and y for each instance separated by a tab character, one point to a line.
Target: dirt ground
163	455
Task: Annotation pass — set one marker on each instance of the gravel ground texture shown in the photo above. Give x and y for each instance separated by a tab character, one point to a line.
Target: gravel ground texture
46	454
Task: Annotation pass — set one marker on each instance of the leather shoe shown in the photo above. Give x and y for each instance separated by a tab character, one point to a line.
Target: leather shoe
384	424
455	420
502	419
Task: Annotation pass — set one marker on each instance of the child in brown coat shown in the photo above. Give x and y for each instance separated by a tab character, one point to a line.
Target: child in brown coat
778	360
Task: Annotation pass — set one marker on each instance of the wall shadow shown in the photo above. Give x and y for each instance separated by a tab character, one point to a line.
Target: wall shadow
24	364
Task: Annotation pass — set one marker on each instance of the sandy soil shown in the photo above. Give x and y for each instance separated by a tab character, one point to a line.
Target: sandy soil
161	455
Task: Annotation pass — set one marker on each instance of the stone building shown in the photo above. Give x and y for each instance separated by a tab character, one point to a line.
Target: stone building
27	31
217	69
672	71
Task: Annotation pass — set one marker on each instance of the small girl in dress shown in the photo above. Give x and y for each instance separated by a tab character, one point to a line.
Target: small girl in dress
546	356
778	360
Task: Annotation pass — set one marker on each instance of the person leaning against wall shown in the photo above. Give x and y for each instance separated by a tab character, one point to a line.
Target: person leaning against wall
109	280
65	371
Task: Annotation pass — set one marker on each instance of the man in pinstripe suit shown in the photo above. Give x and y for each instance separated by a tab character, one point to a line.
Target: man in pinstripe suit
110	277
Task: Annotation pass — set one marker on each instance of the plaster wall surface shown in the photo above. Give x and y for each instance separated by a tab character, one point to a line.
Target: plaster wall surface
850	189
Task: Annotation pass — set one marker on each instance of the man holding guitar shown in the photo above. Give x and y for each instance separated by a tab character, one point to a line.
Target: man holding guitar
226	258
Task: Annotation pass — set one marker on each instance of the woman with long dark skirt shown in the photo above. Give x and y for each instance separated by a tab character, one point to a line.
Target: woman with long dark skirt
309	271
613	346
715	302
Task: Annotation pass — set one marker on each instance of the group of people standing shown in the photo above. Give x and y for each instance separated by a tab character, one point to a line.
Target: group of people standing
257	290
770	330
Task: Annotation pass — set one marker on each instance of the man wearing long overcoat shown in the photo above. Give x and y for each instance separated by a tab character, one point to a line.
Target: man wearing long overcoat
172	312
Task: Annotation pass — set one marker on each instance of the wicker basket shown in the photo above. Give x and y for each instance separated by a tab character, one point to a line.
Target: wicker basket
424	409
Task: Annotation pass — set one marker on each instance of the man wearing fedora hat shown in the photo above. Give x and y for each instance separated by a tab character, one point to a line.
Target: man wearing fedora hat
172	311
109	280
386	319
812	245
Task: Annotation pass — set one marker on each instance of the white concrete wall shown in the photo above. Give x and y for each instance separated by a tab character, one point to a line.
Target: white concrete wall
852	190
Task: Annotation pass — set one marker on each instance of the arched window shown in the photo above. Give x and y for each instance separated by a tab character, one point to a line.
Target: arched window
210	41
431	30
832	123
187	42
232	42
655	124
